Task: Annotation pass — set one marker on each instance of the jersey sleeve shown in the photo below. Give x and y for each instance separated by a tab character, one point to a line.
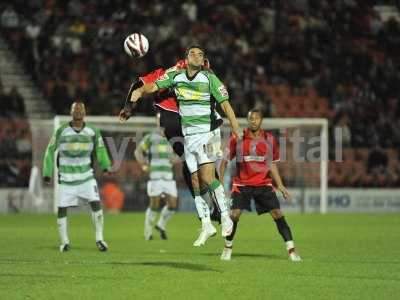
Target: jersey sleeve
101	152
165	80
218	89
48	161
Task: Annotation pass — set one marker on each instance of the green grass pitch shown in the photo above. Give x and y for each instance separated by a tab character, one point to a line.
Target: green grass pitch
344	257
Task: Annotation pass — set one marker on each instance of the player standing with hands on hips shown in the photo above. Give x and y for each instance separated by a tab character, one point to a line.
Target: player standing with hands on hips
76	142
194	87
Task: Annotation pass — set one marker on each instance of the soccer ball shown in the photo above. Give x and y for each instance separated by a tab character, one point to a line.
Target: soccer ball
136	45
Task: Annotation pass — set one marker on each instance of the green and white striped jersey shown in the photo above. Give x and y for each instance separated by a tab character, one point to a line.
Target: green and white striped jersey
194	97
160	153
75	154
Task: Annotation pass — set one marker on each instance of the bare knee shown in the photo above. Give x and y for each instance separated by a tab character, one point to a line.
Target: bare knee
154	203
235	214
195	180
276	214
172	203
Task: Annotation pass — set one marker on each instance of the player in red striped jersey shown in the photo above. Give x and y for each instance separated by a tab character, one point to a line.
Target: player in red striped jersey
256	156
166	103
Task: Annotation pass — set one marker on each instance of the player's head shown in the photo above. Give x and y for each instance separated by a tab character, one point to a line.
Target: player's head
254	119
78	111
195	56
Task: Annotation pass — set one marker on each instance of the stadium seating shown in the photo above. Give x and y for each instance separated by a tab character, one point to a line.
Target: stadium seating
301	67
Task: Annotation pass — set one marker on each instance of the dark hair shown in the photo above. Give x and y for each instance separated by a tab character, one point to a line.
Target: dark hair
255	110
194	46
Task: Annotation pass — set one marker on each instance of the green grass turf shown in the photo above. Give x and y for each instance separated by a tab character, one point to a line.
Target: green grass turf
345	256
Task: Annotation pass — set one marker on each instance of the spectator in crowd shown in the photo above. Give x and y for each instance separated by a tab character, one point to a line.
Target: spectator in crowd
344	50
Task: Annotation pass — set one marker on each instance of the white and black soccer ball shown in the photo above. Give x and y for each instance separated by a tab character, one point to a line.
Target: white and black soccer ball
136	45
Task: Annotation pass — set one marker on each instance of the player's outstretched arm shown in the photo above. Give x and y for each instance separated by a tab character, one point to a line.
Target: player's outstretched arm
230	114
279	184
147	88
129	107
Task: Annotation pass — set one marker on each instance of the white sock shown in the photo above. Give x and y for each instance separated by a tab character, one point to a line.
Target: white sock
165	215
148	222
218	195
228	243
289	245
98	222
150	216
202	208
62	230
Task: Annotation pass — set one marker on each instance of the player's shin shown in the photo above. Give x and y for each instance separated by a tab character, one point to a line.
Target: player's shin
202	209
63	230
166	214
229	238
148	223
98	223
218	195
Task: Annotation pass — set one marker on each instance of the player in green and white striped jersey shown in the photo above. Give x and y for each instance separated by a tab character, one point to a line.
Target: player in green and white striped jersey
194	87
156	156
74	143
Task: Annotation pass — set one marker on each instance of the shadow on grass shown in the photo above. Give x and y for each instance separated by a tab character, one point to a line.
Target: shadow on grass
167	264
171	264
249	255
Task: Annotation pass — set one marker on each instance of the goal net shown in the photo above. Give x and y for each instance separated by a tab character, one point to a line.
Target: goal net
303	165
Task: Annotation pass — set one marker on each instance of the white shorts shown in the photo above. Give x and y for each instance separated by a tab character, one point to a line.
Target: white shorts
156	188
68	195
202	148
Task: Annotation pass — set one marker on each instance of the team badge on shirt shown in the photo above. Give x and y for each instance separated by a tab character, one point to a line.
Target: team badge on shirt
223	91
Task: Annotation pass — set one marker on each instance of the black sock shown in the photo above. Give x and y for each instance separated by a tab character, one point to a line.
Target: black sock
284	229
232	235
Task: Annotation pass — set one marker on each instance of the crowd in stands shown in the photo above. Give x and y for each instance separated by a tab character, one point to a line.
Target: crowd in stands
15	140
300	58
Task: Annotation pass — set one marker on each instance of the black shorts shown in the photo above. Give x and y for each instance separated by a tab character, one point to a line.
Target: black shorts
264	198
171	123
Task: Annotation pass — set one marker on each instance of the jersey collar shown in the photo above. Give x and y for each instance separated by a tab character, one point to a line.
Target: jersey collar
77	131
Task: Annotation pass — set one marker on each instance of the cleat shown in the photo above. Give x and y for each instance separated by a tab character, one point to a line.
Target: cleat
163	233
226	253
149	237
206	232
226	226
102	246
65	248
293	256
